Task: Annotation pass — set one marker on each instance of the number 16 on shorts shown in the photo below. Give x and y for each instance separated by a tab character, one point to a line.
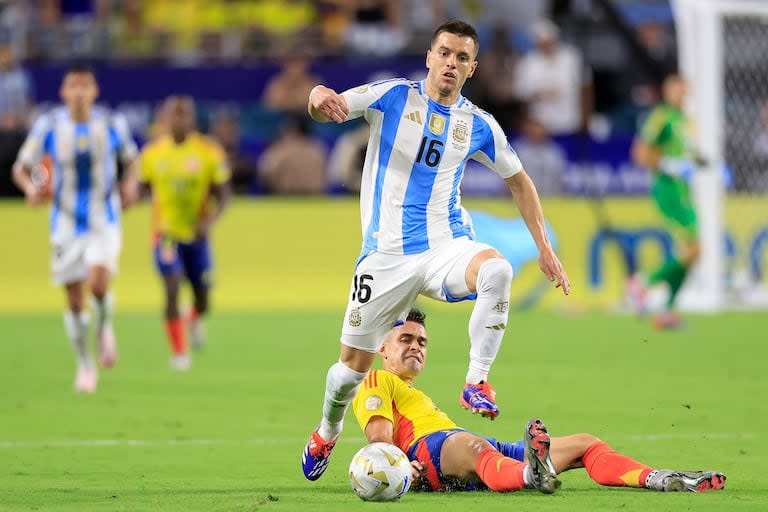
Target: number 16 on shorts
361	290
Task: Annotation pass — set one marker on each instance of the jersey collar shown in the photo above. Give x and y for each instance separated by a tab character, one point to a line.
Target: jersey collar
423	91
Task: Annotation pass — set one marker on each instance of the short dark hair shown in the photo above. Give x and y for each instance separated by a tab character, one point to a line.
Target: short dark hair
80	68
459	28
416	315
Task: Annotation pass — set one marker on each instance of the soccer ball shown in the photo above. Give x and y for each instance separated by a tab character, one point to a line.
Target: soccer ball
380	472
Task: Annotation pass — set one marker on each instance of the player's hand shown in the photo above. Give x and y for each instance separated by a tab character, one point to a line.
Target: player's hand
203	228
417	472
330	104
129	194
35	195
553	269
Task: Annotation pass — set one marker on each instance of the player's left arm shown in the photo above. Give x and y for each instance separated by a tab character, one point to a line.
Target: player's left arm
128	153
527	200
496	153
220	189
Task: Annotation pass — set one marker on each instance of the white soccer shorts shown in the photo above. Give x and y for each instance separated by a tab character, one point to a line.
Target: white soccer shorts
71	259
385	287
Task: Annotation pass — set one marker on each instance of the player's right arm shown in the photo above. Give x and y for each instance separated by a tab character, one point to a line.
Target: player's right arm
326	105
646	148
645	151
30	156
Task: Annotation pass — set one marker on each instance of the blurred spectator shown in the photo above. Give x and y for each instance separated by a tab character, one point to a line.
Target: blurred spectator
493	84
14	23
553	80
543	159
15	90
226	130
345	163
279	25
375	27
131	37
47	37
178	23
289	89
294	163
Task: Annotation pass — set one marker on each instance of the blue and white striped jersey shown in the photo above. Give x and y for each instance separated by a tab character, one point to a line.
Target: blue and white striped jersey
83	156
410	199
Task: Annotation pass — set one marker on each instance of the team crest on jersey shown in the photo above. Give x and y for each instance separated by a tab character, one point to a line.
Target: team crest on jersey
355	318
436	124
360	89
193	164
82	143
374	403
460	133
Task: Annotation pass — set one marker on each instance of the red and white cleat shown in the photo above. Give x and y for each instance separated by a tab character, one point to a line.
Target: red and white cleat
666	320
86	380
637	294
107	347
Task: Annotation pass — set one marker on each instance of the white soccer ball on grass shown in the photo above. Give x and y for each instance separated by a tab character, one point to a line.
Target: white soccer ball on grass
380	472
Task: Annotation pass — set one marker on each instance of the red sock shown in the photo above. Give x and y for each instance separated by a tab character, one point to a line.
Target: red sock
500	473
608	467
193	315
174	328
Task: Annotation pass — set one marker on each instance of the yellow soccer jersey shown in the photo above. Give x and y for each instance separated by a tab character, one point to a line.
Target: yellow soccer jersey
412	413
180	176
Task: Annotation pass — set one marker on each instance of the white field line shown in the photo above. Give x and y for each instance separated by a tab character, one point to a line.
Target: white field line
101	443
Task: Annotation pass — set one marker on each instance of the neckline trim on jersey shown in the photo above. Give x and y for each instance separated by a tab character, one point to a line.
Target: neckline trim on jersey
423	91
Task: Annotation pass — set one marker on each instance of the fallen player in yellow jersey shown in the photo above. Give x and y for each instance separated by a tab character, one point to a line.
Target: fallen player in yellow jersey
446	457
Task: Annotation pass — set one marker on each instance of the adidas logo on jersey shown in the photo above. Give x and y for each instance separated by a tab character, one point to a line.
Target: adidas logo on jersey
414	116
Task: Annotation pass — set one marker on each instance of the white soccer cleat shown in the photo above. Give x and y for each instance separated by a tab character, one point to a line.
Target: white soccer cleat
107	347
181	362
86	380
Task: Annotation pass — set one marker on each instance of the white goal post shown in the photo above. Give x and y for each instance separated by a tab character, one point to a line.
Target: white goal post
701	27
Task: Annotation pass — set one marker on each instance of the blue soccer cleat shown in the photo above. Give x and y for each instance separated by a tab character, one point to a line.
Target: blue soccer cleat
480	398
316	455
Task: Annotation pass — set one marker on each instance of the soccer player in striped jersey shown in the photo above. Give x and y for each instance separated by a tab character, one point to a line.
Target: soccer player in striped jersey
82	142
183	171
446	457
416	239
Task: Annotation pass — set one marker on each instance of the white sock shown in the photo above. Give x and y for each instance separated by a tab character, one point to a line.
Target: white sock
528	476
489	317
103	310
340	387
76	325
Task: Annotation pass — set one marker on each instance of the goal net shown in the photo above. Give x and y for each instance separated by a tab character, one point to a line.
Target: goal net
723	47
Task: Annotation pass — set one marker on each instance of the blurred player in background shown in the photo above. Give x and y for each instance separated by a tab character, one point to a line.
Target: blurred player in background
183	170
82	142
446	457
665	148
416	239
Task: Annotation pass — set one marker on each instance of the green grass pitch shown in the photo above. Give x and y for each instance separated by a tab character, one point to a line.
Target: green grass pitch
227	436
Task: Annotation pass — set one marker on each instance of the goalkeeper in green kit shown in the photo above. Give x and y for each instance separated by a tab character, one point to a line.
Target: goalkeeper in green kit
664	147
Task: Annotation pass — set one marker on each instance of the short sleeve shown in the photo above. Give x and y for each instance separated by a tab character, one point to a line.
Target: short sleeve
368	96
220	171
491	148
374	398
145	164
126	147
37	143
653	127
